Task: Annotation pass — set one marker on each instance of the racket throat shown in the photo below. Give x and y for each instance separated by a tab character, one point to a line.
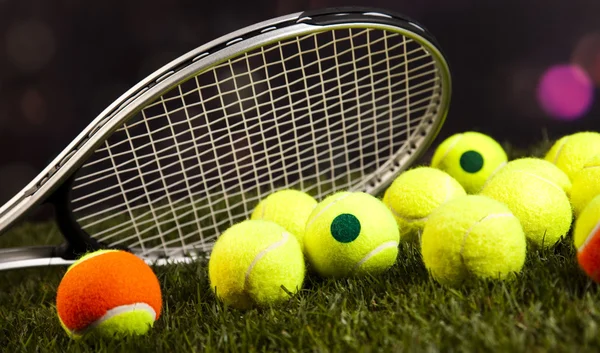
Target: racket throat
79	241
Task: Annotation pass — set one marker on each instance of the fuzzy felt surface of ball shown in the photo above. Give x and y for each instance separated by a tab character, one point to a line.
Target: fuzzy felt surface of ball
586	184
469	157
571	152
586	237
351	234
256	263
414	194
472	236
108	293
539	167
541	205
289	208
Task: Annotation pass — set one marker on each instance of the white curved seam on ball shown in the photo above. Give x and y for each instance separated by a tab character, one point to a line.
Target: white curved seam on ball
502	165
450	148
447	198
377	250
407	219
310	222
491	216
560	150
260	255
116	311
414	219
589	237
263	209
448	191
543	179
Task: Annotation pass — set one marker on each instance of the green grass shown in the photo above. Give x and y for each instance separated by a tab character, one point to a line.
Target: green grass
551	306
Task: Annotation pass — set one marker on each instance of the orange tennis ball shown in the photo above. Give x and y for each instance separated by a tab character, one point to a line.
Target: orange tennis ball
586	237
108	293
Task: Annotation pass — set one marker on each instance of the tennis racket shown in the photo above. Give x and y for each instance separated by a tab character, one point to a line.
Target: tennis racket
319	101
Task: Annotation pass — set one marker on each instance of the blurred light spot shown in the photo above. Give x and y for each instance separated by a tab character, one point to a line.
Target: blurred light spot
522	81
565	92
30	45
33	107
14	177
587	55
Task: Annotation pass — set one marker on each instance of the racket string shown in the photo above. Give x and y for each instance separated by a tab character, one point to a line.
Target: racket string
320	113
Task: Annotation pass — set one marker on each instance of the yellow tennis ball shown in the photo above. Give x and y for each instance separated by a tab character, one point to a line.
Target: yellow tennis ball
351	233
571	152
586	237
470	236
539	167
289	208
541	205
108	293
414	194
470	158
586	184
587	220
252	262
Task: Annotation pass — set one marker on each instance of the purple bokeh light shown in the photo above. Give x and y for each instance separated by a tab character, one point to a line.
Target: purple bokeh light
565	92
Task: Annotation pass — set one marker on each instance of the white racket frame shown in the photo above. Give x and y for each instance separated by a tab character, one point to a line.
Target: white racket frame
186	67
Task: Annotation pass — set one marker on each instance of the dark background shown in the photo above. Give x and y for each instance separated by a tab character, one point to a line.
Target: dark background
62	62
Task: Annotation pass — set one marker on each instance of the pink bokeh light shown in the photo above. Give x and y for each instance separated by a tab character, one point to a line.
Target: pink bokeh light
565	92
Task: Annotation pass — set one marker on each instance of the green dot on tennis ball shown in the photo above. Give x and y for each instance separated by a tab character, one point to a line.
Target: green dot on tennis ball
471	161
345	228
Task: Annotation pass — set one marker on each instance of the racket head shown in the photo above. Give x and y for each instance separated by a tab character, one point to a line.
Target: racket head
152	139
